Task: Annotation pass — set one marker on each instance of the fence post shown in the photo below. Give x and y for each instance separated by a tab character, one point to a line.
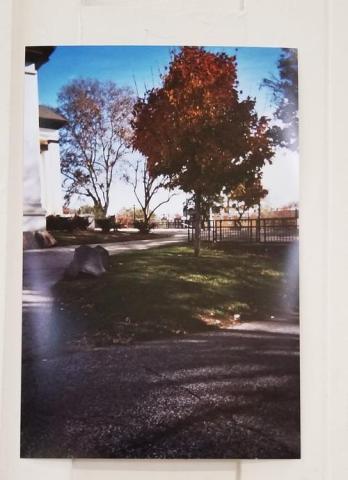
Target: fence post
258	230
264	231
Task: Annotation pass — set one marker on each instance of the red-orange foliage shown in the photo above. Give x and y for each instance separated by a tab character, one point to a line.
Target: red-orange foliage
196	131
246	196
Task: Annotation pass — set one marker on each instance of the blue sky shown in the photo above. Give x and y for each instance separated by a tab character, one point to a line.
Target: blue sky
143	64
127	65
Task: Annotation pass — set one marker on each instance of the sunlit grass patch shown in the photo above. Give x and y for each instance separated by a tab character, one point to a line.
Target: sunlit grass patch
166	291
271	273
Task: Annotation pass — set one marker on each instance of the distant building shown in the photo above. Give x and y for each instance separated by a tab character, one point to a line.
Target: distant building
41	166
50	175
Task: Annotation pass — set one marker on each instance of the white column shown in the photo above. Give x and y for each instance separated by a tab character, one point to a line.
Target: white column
33	213
51	177
55	179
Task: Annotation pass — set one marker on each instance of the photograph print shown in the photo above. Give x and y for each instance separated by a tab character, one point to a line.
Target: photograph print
160	253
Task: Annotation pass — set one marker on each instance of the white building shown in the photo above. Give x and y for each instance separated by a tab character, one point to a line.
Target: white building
50	175
42	183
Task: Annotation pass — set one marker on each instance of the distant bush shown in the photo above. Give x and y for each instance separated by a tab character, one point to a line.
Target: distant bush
79	223
56	222
107	224
144	227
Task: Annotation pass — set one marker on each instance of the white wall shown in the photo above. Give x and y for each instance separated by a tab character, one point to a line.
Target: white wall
318	29
34	215
336	333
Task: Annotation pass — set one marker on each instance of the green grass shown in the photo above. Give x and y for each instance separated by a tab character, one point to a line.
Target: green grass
85	237
168	291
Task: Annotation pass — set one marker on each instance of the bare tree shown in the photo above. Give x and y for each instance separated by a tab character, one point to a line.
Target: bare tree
94	139
146	189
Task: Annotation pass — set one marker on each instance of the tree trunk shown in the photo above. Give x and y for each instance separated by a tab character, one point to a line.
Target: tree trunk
146	224
147	219
197	238
105	209
99	210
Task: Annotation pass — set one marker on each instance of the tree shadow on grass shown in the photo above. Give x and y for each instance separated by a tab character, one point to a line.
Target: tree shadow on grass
167	291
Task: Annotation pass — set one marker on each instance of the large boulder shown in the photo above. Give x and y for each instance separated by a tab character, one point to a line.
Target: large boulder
89	261
104	255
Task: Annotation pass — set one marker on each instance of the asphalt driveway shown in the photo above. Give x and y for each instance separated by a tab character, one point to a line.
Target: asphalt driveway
215	395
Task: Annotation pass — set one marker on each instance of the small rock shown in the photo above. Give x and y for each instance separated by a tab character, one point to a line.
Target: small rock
45	239
34	240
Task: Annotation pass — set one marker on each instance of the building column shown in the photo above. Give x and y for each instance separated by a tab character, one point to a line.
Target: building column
33	213
52	197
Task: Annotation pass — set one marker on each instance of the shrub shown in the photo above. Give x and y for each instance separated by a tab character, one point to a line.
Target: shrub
56	222
143	227
79	223
106	224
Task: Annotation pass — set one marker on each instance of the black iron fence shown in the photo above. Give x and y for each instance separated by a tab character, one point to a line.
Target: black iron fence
179	224
283	229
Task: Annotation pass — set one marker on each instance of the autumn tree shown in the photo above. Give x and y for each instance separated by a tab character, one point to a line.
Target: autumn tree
196	131
284	90
127	216
146	188
95	138
246	196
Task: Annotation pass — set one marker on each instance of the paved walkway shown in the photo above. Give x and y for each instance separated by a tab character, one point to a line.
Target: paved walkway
55	260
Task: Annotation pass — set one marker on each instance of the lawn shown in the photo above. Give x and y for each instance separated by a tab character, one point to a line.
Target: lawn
89	237
167	291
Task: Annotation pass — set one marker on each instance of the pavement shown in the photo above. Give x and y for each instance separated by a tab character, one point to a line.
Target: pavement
49	264
223	394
